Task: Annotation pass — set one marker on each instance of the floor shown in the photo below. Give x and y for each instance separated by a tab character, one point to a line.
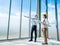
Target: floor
26	42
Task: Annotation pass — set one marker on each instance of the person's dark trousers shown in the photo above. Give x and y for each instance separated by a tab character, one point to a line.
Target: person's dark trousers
34	29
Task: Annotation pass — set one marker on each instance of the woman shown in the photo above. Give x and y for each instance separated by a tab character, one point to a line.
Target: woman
44	29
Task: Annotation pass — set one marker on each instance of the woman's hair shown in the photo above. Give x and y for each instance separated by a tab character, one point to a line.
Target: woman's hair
45	15
36	15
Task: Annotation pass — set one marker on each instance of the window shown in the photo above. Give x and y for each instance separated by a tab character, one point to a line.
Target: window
14	27
58	8
52	32
43	10
4	14
25	21
33	13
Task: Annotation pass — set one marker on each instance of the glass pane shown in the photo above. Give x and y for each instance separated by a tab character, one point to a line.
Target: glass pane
25	21
52	32
43	10
33	13
4	14
58	8
15	19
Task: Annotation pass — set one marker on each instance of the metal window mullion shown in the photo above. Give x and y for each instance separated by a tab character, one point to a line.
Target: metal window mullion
40	17
9	19
47	8
21	18
39	14
29	18
47	13
56	16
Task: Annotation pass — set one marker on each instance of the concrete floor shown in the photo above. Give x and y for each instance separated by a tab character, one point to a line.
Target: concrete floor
26	42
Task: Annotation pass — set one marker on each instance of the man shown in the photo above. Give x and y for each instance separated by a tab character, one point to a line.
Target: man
34	27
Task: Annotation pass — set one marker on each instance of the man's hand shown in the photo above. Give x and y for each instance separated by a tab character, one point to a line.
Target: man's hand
25	16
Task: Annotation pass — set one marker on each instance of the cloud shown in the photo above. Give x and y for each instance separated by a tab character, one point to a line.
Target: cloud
3	14
51	5
16	15
51	13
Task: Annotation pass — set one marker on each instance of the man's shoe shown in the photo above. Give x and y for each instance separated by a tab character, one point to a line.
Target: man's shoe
35	41
30	40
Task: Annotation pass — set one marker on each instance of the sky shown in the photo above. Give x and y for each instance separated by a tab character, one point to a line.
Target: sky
15	12
15	8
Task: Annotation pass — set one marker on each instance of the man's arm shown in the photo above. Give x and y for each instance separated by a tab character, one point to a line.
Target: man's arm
29	17
26	16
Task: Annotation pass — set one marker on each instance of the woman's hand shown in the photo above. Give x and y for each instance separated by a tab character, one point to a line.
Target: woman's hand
44	24
33	21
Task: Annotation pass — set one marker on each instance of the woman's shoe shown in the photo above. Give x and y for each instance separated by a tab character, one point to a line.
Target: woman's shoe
45	43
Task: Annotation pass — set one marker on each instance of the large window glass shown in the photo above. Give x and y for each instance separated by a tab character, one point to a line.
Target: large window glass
14	28
58	8
25	21
52	32
43	11
33	13
4	14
